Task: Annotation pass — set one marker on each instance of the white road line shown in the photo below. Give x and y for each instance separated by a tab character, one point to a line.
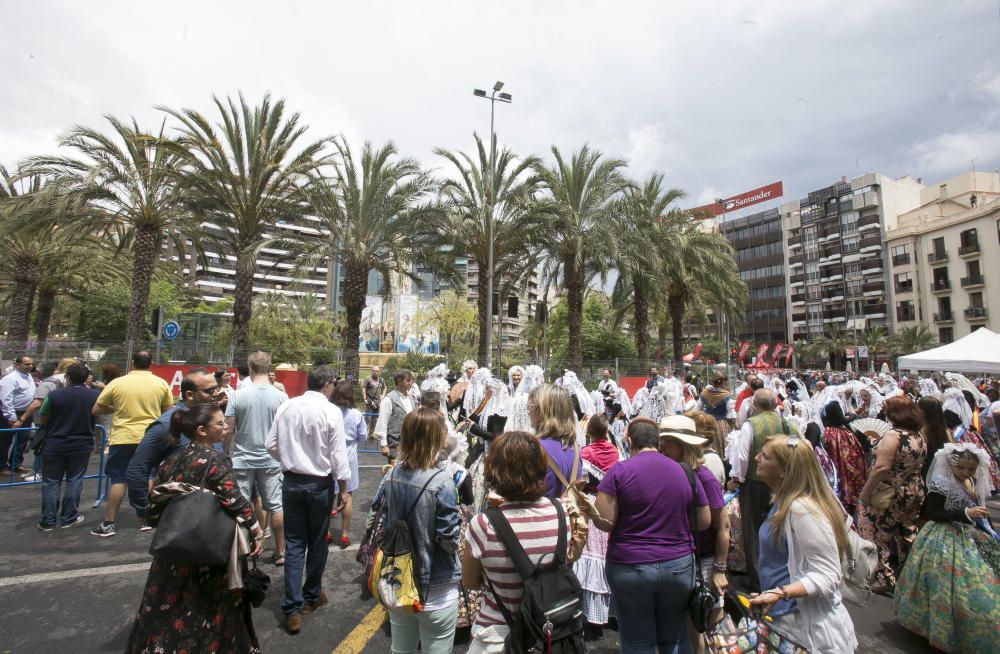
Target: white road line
107	570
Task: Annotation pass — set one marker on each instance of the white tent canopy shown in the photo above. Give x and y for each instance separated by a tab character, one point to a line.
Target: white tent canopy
977	352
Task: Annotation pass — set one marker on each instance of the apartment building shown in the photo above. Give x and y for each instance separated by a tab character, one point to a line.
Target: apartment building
760	257
945	257
837	271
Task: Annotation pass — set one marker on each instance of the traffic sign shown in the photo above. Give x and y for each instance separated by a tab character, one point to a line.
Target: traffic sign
171	329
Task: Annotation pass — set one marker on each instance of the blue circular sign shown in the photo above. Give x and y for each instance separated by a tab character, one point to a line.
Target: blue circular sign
171	329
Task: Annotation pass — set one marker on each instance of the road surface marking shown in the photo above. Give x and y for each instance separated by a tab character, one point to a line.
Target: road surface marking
107	570
355	641
73	574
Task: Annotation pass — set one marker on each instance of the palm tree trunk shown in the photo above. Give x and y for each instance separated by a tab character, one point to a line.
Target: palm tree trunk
640	321
574	313
661	339
25	281
243	306
144	256
484	319
355	284
675	305
43	315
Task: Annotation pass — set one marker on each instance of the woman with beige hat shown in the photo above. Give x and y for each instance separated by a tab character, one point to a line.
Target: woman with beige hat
679	440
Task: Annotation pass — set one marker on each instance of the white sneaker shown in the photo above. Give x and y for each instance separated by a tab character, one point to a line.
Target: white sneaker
267	533
31	477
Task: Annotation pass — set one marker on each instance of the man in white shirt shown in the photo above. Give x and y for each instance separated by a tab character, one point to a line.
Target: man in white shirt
16	391
250	414
307	439
391	411
607	386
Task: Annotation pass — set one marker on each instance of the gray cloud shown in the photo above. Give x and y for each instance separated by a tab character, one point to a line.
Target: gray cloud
722	96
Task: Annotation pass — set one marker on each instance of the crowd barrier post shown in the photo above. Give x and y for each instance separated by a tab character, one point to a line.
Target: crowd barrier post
12	458
102	486
102	480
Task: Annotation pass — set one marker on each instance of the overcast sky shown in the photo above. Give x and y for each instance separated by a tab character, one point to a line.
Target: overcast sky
722	96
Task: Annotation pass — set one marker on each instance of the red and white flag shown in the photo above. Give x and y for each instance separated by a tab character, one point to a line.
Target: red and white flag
788	354
744	348
762	351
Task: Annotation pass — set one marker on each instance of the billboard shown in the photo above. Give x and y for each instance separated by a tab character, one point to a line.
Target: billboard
408	313
749	198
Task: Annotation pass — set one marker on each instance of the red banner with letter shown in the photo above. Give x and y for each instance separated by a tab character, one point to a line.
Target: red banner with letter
744	348
788	354
750	198
762	352
293	380
776	352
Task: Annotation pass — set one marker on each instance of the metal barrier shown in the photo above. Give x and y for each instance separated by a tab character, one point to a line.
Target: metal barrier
364	451
102	479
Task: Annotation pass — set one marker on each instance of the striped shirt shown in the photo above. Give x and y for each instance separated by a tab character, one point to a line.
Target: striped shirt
536	527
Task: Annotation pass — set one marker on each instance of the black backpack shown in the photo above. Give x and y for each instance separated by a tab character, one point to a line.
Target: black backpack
550	619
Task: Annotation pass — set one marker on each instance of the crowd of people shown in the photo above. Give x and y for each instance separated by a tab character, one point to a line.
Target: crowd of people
756	485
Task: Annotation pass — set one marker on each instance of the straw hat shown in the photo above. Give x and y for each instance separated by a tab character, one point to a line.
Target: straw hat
682	428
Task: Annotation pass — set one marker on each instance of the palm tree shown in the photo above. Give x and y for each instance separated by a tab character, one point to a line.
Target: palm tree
876	340
832	344
519	221
911	339
582	240
127	175
696	262
374	215
241	176
23	244
639	269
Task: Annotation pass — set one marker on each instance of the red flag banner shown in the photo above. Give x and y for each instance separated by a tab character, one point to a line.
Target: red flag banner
776	352
744	348
697	351
762	351
788	354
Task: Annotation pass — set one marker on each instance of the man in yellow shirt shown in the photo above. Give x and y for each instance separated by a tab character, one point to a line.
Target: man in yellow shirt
134	401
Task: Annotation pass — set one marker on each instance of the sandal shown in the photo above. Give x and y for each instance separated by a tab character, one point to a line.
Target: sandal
278	559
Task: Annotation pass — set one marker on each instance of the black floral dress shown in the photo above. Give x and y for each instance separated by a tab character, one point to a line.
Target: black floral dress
189	608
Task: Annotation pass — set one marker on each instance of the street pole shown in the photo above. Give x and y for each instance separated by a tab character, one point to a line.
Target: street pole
494	97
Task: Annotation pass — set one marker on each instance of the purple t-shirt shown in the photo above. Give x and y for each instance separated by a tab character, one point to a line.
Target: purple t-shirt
564	460
654	500
713	491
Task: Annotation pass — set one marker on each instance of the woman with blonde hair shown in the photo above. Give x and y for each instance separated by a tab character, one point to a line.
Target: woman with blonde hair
799	562
418	492
550	409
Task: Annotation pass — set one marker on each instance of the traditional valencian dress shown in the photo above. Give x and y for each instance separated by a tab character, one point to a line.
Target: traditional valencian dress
188	607
949	589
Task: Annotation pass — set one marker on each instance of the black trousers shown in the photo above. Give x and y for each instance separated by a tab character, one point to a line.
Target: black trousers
755	502
7	439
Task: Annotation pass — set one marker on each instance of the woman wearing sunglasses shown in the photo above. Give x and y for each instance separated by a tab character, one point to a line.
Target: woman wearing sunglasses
799	562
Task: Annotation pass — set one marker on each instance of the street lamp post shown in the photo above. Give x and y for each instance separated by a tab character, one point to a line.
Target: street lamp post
494	97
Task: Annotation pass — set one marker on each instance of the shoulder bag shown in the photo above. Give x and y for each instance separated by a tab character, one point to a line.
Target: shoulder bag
702	597
194	529
575	503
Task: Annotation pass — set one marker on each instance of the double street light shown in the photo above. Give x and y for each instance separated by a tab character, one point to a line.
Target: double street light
494	97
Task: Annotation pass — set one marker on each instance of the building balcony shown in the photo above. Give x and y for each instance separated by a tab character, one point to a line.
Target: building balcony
905	316
940	286
901	259
904	288
969	249
975	281
973	314
946	316
937	257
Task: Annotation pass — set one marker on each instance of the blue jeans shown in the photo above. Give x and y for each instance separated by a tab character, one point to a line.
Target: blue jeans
56	467
307	502
651	602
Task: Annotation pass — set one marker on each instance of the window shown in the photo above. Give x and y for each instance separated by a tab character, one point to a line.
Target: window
945	335
976	300
813	292
851	243
904	311
812	271
854	286
852	269
898	250
904	282
944	308
941	279
939	250
849	223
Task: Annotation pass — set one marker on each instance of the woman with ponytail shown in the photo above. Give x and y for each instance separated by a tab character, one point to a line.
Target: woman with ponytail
186	606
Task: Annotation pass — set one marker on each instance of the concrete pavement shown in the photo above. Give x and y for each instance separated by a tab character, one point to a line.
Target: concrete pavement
67	590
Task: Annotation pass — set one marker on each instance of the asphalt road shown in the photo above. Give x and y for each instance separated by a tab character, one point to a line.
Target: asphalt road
67	590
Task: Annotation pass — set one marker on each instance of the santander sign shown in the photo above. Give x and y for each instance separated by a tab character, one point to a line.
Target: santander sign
747	199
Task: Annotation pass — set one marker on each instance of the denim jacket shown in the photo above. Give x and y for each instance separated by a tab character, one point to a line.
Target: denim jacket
434	523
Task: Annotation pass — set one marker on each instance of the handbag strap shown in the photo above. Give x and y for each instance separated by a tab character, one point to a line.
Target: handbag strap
574	471
413	506
691	518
